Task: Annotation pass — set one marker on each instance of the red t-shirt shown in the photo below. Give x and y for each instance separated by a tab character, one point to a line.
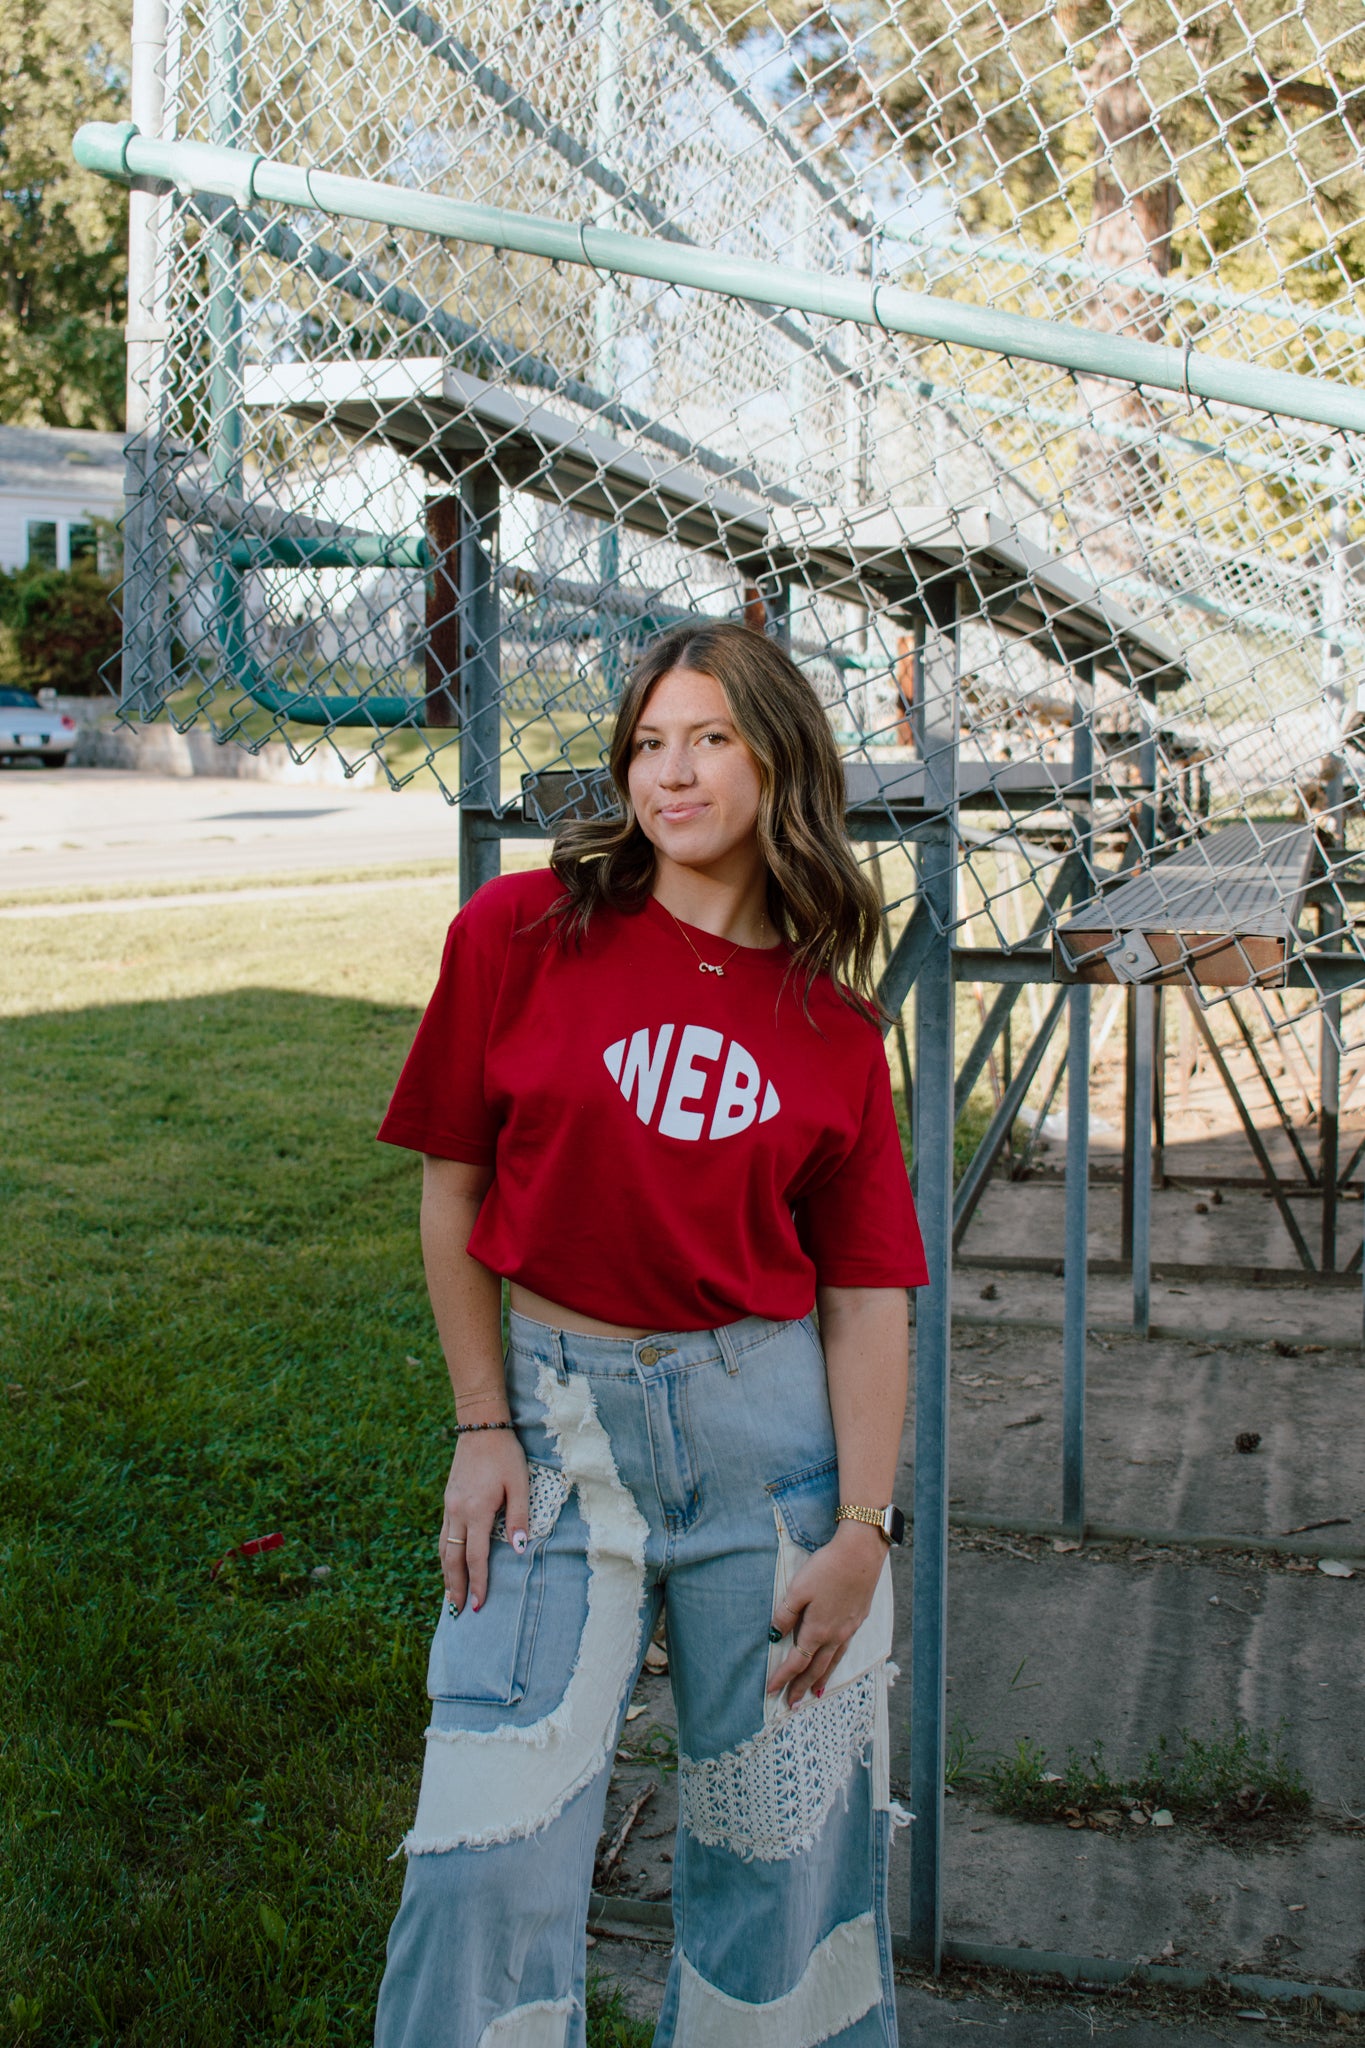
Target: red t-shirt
671	1150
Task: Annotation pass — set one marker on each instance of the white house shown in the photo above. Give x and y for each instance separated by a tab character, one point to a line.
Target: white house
54	483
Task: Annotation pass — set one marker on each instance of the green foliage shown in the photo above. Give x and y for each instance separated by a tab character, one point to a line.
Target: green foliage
1241	1768
1231	1774
609	2024
58	629
1233	126
62	290
213	1326
209	1287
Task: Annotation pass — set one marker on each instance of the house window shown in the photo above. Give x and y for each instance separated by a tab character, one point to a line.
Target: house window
42	543
82	543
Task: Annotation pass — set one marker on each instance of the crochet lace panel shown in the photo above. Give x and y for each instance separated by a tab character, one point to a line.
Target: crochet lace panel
549	1491
769	1798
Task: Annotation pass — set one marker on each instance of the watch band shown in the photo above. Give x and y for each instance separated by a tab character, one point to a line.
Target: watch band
889	1520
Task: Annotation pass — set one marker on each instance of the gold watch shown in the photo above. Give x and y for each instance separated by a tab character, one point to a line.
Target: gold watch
890	1520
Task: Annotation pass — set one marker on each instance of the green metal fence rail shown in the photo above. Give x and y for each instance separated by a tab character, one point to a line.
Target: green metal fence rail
118	150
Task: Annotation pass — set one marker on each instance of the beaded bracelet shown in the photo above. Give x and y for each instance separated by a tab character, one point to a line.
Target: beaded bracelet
461	1427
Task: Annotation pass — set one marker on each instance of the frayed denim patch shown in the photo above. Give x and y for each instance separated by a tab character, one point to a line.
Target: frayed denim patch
841	1982
545	2024
496	1785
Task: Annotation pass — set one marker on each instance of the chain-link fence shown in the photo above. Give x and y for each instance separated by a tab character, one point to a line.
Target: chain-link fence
320	396
1006	361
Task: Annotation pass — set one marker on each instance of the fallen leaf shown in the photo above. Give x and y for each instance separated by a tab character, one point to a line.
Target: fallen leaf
1062	1548
1335	1568
656	1660
1246	1441
1296	1909
251	1548
633	1712
410	1360
1163	1818
1026	1421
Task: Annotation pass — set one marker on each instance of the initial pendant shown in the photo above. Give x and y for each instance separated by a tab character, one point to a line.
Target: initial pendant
709	967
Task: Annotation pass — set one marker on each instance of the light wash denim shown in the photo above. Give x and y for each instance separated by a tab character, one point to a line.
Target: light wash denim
694	1469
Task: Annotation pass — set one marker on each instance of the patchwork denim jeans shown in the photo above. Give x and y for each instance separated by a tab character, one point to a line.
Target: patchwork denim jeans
696	1469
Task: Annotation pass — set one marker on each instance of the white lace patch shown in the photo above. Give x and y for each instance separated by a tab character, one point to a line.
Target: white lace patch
545	2024
549	1491
768	1799
842	1981
499	1784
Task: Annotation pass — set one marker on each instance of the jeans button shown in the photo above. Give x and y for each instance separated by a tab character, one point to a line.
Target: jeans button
649	1356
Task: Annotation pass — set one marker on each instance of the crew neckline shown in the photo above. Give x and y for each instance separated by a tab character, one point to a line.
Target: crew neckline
663	916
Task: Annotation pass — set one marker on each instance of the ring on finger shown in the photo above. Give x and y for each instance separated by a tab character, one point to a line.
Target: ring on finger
451	1541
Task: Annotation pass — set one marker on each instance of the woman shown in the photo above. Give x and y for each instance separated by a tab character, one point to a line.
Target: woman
647	1095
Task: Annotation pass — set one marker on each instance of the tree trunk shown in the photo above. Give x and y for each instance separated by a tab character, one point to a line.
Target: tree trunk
1117	478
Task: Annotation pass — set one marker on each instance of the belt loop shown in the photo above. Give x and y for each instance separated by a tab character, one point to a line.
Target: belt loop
728	1351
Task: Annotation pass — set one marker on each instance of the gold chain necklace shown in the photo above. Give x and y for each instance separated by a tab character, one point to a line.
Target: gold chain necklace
708	966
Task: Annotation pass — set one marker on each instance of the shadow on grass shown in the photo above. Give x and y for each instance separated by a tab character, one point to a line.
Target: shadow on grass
211	1320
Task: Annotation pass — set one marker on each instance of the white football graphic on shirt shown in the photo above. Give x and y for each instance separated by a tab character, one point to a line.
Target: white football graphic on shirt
638	1065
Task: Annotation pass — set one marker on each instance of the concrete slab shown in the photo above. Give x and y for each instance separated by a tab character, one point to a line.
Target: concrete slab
1122	1644
81	828
1162	1420
1244	1309
1241	1229
953	2011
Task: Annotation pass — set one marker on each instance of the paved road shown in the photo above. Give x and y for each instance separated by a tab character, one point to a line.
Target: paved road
74	828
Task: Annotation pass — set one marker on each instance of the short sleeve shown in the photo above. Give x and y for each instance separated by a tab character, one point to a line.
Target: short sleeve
859	1226
439	1105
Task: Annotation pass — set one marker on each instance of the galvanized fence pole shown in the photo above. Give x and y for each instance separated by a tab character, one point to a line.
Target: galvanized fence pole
224	327
934	1050
480	681
1144	1035
118	150
146	567
1074	1307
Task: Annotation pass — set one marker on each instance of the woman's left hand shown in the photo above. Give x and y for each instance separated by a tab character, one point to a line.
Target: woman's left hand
825	1604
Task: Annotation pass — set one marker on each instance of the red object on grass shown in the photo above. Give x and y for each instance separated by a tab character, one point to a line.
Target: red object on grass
251	1548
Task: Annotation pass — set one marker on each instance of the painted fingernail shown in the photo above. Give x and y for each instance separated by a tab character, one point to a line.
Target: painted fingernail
774	1635
819	1691
519	1541
453	1608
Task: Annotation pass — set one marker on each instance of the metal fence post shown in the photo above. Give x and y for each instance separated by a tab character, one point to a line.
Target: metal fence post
1143	1052
1077	1235
934	1048
145	597
224	327
480	681
1077	1152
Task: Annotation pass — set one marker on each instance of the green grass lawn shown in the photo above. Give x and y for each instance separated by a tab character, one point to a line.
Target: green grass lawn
212	1327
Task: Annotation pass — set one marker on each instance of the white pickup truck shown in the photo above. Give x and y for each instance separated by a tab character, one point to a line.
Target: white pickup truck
30	728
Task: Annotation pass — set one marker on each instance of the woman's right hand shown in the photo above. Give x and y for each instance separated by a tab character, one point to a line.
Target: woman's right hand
488	1477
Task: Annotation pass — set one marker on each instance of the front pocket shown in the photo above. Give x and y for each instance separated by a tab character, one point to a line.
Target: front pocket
807	1501
485	1657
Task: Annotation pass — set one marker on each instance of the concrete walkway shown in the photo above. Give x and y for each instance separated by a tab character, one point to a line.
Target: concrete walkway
78	828
1123	1643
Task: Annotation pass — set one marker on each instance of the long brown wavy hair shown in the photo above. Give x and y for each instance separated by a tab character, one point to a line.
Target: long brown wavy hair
819	899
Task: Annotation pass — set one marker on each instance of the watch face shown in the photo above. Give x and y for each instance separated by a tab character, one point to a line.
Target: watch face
895	1525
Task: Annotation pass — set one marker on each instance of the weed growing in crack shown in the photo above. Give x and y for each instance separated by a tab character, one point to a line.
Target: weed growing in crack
1228	1775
